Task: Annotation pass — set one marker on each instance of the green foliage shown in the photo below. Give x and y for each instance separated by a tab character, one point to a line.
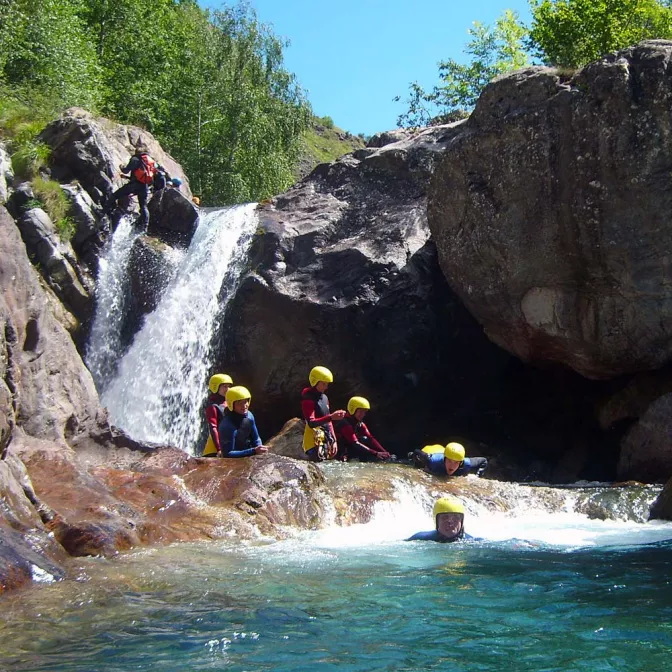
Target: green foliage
66	227
210	86
572	33
52	198
327	122
493	50
44	45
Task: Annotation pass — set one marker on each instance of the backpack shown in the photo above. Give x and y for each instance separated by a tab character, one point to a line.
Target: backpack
145	173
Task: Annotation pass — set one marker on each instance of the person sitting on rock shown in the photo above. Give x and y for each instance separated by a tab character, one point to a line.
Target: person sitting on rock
449	520
238	434
448	461
141	170
353	436
214	412
319	439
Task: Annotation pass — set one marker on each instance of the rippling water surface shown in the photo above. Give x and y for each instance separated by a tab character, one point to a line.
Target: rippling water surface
357	599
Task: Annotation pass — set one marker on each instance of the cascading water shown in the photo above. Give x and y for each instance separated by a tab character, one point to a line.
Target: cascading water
112	293
160	382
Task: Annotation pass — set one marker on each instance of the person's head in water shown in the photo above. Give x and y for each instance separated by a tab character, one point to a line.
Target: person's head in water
449	518
320	377
238	399
220	384
453	456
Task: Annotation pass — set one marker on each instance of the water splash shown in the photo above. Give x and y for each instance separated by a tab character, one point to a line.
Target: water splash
112	298
157	394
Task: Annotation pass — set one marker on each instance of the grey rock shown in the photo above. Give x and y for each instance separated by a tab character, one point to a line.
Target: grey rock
172	217
54	258
550	213
646	450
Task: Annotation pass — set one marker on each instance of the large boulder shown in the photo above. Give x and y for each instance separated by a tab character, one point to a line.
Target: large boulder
550	213
344	275
172	217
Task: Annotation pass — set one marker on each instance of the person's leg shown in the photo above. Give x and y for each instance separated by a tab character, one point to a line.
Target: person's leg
142	200
127	189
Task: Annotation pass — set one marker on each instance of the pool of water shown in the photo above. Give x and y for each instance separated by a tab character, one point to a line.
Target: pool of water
359	598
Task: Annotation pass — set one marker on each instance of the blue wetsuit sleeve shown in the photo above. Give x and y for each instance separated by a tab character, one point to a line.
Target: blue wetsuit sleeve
255	439
227	440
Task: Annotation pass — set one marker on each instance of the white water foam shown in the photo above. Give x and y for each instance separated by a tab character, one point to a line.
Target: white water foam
104	347
411	512
157	394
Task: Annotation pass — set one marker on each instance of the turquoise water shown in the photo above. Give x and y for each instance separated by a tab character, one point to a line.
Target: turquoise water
302	605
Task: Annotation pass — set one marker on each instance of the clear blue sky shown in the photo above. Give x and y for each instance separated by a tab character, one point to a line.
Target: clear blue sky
354	56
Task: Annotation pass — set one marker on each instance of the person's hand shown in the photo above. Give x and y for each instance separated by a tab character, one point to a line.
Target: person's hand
382	456
219	453
260	449
332	451
338	415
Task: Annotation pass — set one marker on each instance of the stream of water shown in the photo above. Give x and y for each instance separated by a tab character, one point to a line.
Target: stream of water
543	591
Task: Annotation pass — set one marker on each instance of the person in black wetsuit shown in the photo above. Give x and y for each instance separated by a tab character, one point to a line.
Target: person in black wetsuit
354	438
449	517
319	439
449	461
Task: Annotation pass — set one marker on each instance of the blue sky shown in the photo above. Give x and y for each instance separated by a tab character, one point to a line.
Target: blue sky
354	56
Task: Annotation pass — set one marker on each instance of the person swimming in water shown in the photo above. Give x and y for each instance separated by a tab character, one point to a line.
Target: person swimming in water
449	520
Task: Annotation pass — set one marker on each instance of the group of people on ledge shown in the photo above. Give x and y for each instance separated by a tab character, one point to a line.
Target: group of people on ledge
328	435
340	435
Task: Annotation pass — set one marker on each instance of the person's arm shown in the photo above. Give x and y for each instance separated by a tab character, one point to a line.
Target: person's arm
227	438
255	439
212	417
377	448
131	165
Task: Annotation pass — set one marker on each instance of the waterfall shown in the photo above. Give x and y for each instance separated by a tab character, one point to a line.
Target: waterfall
112	288
157	393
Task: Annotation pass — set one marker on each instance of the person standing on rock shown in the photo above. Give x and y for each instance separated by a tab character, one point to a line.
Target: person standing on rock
141	171
214	412
319	439
353	436
449	519
448	461
238	434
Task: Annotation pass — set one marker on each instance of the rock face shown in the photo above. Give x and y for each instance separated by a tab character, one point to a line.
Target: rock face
344	275
550	213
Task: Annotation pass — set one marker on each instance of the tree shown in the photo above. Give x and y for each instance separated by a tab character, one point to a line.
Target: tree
493	51
44	46
571	33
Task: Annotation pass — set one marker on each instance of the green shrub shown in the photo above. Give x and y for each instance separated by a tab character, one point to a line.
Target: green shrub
53	200
66	228
29	158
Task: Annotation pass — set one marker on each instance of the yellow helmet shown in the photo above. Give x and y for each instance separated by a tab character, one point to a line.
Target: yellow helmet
320	374
237	393
434	448
447	505
219	379
358	402
454	451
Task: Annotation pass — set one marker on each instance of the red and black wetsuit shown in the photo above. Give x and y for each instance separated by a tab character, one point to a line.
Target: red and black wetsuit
355	440
316	413
214	412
